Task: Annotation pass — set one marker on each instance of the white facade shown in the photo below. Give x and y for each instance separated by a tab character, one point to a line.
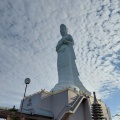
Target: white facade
66	105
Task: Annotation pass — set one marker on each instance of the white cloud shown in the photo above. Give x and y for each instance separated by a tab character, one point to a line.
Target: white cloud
29	32
117	115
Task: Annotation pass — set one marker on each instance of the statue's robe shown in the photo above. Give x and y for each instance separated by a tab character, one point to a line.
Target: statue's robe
67	70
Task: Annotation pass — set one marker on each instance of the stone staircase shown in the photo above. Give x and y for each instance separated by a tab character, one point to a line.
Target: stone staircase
70	109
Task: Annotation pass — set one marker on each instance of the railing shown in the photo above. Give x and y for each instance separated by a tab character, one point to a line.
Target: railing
69	108
75	103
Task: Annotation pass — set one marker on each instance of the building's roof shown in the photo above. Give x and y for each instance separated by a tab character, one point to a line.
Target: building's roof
4	108
16	114
40	112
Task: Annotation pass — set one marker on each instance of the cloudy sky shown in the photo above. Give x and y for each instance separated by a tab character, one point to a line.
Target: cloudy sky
29	32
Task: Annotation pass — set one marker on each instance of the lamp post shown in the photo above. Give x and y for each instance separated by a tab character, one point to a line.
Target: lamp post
27	81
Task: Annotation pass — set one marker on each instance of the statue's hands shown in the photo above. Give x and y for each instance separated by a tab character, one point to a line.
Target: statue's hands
65	41
61	42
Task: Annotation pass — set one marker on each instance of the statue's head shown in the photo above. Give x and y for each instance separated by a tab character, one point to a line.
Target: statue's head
63	30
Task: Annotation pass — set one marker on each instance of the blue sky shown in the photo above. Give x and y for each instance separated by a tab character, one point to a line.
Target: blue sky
29	32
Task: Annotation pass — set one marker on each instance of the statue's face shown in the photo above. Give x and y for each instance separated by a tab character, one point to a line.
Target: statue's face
63	31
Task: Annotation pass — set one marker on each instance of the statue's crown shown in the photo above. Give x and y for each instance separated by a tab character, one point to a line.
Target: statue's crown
62	26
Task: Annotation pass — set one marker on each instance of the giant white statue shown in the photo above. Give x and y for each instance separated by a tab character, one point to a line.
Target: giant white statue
67	70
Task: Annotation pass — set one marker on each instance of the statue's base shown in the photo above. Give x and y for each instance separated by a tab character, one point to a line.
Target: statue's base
60	86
